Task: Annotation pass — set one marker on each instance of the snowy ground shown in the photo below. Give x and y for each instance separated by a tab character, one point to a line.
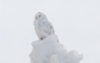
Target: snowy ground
76	23
50	50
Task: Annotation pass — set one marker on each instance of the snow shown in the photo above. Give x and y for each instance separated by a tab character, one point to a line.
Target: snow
51	51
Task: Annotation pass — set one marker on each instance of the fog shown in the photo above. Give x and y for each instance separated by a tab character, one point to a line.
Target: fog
76	23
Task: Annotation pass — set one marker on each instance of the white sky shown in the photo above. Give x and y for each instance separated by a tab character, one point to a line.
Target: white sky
76	22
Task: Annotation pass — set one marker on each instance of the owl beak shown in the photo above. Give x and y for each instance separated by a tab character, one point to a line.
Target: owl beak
36	17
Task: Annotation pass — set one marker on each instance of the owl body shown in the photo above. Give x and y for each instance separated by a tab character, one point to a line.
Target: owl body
43	27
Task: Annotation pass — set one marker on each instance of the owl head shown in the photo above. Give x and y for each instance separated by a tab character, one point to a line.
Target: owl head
40	16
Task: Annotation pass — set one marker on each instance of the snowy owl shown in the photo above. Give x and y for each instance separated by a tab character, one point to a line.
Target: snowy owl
43	27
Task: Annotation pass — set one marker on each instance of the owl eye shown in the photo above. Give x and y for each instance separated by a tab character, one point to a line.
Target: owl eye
39	15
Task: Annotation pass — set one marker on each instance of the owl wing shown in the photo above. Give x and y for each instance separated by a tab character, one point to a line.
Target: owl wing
47	27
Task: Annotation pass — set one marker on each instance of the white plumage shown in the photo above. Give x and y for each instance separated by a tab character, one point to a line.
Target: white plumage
43	27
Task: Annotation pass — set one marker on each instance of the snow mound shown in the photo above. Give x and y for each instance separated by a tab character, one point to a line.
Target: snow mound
51	51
